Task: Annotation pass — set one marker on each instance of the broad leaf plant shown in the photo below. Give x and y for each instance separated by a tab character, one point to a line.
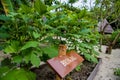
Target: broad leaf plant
33	32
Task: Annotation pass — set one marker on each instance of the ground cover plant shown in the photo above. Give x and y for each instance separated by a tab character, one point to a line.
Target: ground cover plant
117	71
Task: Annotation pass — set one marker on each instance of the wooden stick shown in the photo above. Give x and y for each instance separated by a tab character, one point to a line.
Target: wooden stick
58	78
61	52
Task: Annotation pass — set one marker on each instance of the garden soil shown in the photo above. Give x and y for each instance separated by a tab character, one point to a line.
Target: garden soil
44	72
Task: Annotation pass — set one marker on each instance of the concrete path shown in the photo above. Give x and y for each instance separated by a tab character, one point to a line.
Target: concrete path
109	62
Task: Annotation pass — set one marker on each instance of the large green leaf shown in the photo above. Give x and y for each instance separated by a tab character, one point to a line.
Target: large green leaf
30	44
19	74
35	60
27	57
87	56
9	49
4	18
83	50
85	31
3	70
40	7
13	47
36	35
85	45
25	9
51	51
94	59
90	57
32	57
17	59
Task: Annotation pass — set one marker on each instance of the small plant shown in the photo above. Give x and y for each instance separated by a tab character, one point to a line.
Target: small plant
117	71
78	68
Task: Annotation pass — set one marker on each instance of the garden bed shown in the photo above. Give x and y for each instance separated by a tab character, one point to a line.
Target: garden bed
87	72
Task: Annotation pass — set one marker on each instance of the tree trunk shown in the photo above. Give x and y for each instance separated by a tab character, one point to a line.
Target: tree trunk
100	45
116	38
109	48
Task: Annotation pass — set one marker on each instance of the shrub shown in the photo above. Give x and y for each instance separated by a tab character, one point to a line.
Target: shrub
117	71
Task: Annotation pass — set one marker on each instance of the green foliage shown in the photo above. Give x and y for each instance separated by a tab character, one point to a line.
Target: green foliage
35	24
22	42
17	59
4	18
20	53
36	35
48	2
25	9
4	35
30	44
117	71
90	58
7	5
13	47
78	68
40	7
22	29
72	1
76	30
35	60
3	70
34	28
114	34
16	74
51	51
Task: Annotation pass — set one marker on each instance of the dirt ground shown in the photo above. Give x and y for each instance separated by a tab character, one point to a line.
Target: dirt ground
109	62
2	56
